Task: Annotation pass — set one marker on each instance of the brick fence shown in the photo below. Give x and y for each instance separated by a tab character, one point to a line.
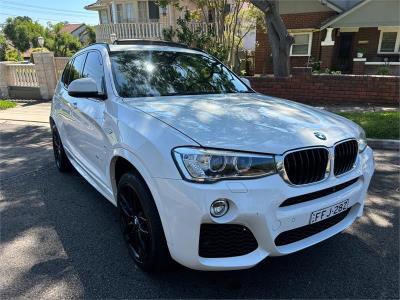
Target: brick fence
331	89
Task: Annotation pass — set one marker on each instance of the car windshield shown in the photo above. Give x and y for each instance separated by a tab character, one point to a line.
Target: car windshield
167	73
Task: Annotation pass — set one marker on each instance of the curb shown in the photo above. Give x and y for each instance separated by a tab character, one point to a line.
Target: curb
384	144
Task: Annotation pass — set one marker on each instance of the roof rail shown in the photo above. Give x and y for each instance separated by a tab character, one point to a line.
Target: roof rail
148	42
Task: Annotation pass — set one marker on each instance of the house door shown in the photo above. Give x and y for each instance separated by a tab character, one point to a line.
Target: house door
344	60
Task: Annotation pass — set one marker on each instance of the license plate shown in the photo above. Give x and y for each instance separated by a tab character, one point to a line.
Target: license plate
328	212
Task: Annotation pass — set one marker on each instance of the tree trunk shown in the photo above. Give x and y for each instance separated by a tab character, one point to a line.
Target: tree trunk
278	36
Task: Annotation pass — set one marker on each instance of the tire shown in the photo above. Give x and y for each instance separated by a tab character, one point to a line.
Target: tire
62	162
141	225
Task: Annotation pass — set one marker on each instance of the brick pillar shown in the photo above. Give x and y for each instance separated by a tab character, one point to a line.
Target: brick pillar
326	57
3	80
327	47
46	73
359	66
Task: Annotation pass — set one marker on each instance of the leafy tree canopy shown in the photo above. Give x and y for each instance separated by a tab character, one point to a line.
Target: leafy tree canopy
23	32
61	43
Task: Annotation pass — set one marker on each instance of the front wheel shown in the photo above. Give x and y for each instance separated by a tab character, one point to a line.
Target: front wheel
141	225
62	162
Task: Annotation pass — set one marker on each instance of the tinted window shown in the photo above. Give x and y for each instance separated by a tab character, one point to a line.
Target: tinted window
75	71
65	75
94	69
163	73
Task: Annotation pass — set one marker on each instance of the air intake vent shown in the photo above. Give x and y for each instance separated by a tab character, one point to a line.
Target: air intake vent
225	240
345	156
306	166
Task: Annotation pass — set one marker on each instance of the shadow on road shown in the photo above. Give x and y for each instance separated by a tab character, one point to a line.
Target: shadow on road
61	238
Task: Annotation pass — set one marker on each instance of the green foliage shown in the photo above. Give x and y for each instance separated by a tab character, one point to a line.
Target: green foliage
3	47
378	125
91	34
315	65
384	70
327	71
12	55
361	50
4	104
61	43
196	37
23	32
43	49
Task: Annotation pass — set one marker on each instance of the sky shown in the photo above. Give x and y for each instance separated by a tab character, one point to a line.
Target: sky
53	11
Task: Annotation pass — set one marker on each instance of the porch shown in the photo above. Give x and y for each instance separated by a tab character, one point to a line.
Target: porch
362	50
144	30
130	19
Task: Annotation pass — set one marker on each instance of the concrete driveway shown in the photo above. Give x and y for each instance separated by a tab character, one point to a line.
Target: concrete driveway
60	239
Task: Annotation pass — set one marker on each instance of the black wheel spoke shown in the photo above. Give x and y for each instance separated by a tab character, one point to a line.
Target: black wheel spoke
125	207
134	223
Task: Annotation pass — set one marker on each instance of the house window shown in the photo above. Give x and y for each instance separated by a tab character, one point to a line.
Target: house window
389	42
129	12
142	10
301	45
103	17
154	11
120	13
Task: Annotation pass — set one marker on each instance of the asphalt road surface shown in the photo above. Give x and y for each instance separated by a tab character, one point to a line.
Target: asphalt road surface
60	239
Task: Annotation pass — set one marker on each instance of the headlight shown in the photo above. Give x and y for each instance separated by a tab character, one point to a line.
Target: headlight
362	141
207	165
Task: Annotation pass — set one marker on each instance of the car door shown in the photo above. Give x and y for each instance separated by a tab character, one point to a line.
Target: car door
61	109
71	140
88	114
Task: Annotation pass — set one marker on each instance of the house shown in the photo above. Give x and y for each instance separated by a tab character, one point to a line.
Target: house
77	30
127	19
134	19
351	36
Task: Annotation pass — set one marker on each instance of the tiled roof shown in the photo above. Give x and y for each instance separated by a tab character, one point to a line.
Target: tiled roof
71	27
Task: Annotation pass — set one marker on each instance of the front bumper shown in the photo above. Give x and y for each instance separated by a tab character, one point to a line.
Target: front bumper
254	204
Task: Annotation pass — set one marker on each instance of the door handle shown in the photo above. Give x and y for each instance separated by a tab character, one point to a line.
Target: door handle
75	105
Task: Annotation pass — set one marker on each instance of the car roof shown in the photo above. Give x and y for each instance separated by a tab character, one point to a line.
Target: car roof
117	48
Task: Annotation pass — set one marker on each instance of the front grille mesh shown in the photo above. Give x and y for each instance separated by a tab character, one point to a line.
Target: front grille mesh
306	166
345	156
225	240
298	234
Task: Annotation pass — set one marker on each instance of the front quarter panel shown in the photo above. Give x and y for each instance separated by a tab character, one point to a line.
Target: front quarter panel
150	140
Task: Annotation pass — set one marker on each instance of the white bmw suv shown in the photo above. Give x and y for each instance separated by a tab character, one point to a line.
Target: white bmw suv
202	168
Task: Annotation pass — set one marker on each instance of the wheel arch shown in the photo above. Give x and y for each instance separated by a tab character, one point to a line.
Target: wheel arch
123	161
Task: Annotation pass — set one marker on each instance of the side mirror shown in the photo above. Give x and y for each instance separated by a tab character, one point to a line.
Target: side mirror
246	81
84	88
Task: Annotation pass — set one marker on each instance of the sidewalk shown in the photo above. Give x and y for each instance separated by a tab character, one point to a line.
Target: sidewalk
32	113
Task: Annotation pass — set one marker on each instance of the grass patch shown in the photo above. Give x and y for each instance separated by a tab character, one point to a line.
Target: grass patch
377	125
4	104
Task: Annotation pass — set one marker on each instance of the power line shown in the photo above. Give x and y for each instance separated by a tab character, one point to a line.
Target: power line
38	18
41	7
41	11
11	15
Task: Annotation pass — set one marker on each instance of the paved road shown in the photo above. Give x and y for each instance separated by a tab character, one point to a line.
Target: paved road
60	239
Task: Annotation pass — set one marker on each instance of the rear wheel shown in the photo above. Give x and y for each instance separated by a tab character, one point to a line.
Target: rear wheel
61	159
141	225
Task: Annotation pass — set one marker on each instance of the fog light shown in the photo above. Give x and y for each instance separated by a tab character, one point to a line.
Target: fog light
219	208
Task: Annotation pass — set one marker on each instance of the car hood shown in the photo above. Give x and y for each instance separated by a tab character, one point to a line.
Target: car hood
247	122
